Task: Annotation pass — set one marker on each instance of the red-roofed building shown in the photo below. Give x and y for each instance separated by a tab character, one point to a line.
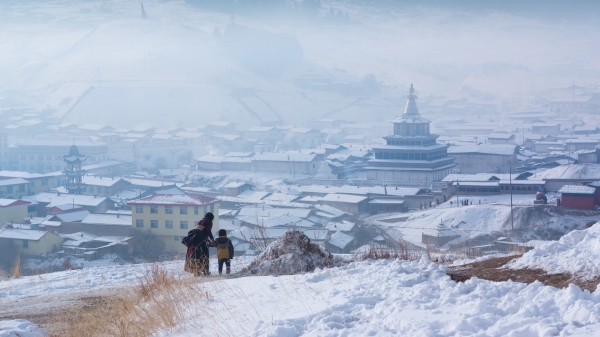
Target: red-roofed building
170	216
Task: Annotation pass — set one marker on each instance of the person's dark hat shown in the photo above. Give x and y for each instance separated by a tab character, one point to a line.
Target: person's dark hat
209	216
222	232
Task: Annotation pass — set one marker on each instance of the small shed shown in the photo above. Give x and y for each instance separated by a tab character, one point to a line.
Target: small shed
578	196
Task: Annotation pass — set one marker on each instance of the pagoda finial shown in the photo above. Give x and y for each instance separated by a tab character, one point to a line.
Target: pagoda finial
411	105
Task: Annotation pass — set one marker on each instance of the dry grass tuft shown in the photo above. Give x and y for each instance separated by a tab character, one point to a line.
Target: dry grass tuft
375	252
157	303
16	271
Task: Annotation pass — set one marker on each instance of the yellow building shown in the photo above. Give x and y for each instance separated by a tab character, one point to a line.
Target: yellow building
14	188
37	182
31	242
171	216
13	211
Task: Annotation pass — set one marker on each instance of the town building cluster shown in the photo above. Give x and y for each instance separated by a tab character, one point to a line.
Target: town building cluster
89	190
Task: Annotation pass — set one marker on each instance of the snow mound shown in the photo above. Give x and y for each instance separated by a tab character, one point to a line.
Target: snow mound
291	254
576	253
20	328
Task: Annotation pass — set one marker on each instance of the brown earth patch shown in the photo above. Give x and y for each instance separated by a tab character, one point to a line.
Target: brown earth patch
492	270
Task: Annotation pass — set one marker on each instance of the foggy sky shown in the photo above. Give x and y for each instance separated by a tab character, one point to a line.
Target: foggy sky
99	62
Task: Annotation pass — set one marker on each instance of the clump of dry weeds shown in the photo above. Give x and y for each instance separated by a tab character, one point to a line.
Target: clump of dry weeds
378	252
157	303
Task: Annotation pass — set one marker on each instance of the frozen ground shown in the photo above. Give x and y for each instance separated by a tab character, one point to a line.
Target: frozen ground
577	253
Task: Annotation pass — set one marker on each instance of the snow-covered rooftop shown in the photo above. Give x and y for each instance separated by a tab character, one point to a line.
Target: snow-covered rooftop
343	198
495	149
570	171
577	189
291	157
340	240
100	181
107	219
55	199
175	199
14	181
22	234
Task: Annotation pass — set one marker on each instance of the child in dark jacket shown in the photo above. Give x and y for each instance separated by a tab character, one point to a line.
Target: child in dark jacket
224	251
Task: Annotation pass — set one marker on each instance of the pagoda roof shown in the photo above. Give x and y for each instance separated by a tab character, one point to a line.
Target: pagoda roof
411	120
411	147
72	174
74	158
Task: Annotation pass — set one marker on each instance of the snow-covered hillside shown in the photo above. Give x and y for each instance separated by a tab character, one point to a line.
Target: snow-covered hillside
492	216
388	298
577	253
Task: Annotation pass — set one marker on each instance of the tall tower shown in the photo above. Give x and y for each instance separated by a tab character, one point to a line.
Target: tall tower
412	152
73	172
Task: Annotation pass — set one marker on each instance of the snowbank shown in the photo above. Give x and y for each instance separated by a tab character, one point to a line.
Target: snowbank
20	328
291	254
392	298
576	253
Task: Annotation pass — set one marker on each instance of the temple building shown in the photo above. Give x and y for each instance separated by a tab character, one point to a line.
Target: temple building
73	171
411	153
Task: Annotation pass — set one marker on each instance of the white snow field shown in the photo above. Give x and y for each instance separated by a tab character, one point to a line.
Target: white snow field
104	277
19	328
391	298
576	253
370	298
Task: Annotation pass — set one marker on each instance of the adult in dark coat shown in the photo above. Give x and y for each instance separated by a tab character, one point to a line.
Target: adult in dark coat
197	257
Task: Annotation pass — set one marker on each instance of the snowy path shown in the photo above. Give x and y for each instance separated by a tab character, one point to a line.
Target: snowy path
391	298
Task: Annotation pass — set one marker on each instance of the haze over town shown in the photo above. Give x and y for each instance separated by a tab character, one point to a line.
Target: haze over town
456	143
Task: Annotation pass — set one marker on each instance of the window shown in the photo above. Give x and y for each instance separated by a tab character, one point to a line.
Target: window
139	223
48	157
57	158
9	189
212	208
57	168
32	183
196	210
44	182
183	224
177	238
205	209
153	223
168	209
21	188
40	157
23	157
32	168
153	209
23	168
139	209
31	157
183	210
168	223
49	168
25	244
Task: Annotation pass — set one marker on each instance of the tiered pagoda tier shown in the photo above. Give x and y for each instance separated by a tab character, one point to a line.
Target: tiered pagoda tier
73	171
411	153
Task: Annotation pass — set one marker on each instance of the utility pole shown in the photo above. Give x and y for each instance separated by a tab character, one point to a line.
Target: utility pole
512	223
456	192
